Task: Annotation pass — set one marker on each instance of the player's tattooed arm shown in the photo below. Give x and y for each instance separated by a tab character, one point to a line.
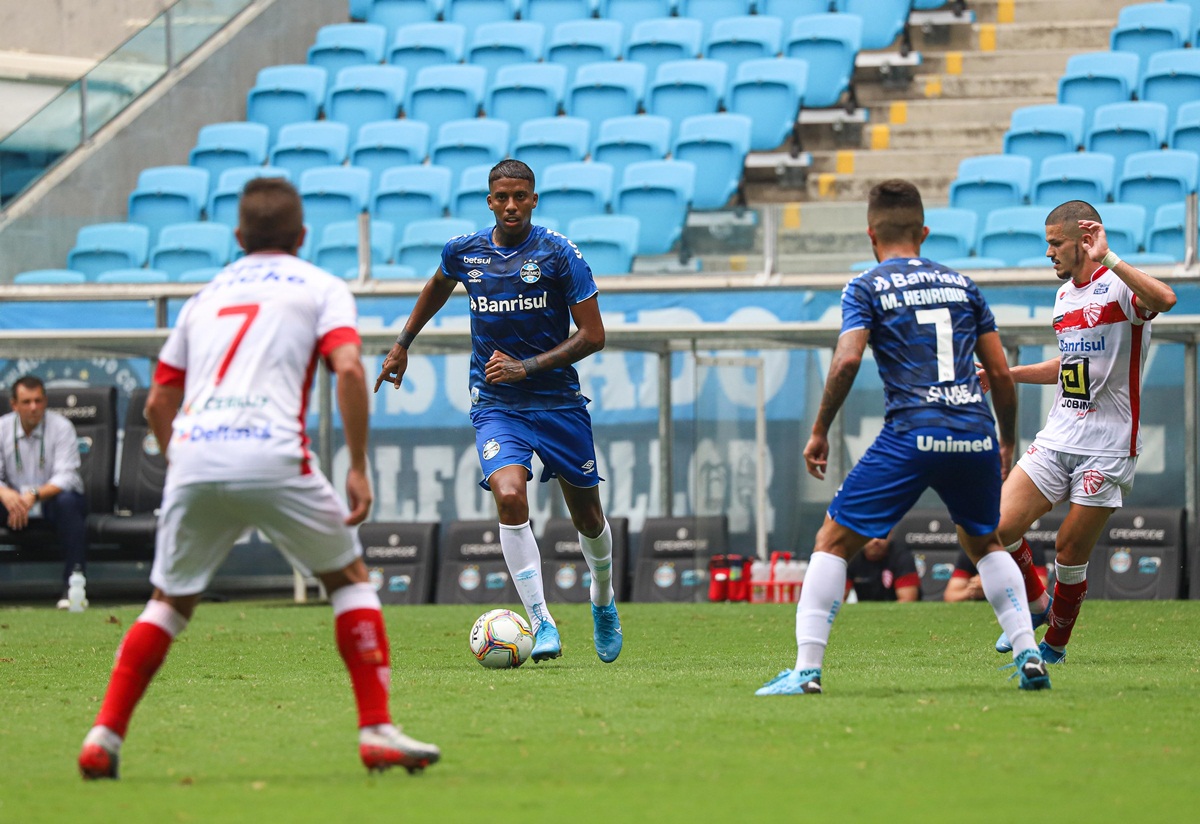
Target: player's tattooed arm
587	339
843	369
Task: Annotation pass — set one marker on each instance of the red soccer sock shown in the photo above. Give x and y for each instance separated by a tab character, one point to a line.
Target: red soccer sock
141	654
363	643
1068	598
1034	588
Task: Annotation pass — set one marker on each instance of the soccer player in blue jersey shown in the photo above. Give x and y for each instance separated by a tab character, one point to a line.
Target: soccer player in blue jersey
526	284
925	324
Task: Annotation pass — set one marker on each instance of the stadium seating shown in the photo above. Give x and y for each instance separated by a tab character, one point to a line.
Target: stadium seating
572	190
526	91
552	12
388	143
133	276
468	198
1040	131
660	40
48	277
333	193
683	88
168	194
549	140
1074	176
624	140
1168	231
883	20
395	14
102	247
969	263
347	44
421	45
1122	129
1094	79
185	246
734	40
829	44
991	182
473	14
223	205
1014	234
199	275
1185	134
1194	27
658	193
472	142
716	143
710	12
631	12
787	11
1152	179
951	233
286	94
304	146
1125	225
337	251
604	90
769	92
364	94
607	242
386	272
408	193
1145	29
1172	78
580	42
421	246
221	146
495	45
444	93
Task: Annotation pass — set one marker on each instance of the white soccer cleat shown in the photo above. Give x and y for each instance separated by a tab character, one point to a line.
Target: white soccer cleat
383	750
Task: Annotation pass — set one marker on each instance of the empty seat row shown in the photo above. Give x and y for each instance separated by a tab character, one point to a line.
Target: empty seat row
105	247
1094	79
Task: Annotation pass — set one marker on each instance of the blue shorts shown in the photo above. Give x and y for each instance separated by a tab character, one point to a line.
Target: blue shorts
562	438
963	468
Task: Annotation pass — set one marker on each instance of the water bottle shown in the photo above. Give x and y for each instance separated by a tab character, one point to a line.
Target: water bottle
76	594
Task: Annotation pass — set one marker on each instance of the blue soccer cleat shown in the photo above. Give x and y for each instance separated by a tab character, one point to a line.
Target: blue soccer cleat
546	643
793	682
1039	618
607	632
1051	655
1032	669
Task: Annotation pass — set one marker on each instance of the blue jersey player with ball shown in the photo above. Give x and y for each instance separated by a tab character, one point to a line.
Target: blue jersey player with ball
926	325
526	284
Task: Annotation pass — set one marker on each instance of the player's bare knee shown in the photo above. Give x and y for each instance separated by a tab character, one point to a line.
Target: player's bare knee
512	504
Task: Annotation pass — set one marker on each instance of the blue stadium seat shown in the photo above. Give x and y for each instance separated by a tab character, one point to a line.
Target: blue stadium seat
347	44
634	139
631	12
1074	176
185	246
223	205
199	275
683	88
388	272
549	224
571	190
788	10
102	247
1122	129
48	277
1094	79
709	12
607	242
365	94
658	193
1153	179
359	9
495	45
580	42
991	182
408	193
1125	225
1168	232
468	198
1040	131
475	13
421	45
1172	78
304	146
423	240
716	143
472	142
307	245
969	263
662	39
769	92
1194	26
395	14
133	276
166	195
1148	28
1013	234
883	20
221	146
829	44
951	233
388	143
337	251
333	193
549	140
734	40
286	94
1185	134
552	12
526	91
604	90
444	93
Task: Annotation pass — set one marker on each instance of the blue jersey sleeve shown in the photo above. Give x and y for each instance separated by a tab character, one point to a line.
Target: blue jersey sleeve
578	283
857	307
985	321
449	253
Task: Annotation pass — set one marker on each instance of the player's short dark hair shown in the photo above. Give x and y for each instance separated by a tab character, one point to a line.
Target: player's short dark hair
30	382
270	215
1070	213
895	212
512	169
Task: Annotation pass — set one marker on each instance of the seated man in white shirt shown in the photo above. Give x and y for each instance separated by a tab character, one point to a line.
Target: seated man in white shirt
39	473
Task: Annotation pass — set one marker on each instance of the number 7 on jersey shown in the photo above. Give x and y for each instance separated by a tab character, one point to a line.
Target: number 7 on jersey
250	310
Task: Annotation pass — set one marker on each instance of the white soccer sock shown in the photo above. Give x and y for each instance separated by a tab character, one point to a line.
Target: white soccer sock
820	599
525	565
598	554
1004	589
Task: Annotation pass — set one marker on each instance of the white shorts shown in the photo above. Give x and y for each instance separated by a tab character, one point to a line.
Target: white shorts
1088	480
199	523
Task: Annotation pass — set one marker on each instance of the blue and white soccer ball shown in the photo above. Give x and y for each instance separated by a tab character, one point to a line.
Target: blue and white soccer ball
500	639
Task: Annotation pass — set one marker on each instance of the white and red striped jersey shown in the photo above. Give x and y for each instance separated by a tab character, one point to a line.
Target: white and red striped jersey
244	350
1103	338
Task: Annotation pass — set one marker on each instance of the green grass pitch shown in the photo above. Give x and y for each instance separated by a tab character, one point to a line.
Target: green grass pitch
251	719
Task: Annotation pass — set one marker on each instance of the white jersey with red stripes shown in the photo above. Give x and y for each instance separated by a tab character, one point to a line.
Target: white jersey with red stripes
244	350
1103	337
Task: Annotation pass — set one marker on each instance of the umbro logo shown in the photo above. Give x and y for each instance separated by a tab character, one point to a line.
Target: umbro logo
475	274
589	466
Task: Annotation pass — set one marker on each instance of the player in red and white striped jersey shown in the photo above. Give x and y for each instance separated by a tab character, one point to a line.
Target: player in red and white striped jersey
1088	449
